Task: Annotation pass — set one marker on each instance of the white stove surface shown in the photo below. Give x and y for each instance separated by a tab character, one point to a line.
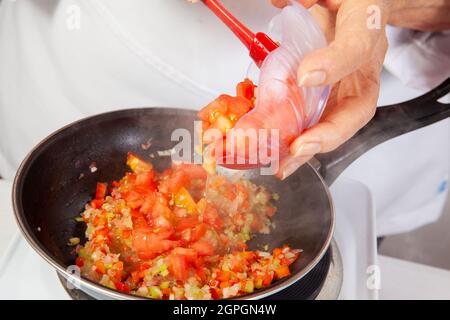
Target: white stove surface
25	275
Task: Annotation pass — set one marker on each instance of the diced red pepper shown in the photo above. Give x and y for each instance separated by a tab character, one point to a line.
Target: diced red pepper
100	193
100	267
282	271
79	262
224	276
122	286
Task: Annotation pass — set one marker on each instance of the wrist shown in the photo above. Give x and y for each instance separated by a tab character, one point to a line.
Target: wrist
422	15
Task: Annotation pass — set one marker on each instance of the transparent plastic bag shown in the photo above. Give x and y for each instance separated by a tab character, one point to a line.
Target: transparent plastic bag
281	104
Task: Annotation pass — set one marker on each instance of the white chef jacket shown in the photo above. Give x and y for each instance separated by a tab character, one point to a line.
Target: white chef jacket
64	60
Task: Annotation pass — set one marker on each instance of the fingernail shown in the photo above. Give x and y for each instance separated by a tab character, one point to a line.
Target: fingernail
307	149
312	79
290	169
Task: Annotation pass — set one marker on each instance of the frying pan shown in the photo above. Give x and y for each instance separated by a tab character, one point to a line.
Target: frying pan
55	181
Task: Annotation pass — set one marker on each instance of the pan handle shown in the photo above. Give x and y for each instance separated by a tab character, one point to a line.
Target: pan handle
389	122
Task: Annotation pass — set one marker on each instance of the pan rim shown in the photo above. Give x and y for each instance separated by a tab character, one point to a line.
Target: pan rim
111	293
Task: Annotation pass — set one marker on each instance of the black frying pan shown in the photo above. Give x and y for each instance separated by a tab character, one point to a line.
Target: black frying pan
55	181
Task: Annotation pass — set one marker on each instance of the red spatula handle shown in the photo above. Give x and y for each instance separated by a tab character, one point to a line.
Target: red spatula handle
242	32
259	45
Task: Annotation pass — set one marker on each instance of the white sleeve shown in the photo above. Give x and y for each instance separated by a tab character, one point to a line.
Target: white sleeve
420	60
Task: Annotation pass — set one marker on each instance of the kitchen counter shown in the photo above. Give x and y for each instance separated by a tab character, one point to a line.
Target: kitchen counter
406	280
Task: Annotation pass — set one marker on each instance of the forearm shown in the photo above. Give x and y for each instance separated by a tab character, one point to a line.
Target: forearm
422	15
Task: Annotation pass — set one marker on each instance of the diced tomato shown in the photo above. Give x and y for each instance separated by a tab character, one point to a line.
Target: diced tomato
160	210
100	193
134	199
203	248
178	267
148	204
189	254
193	171
198	232
187	223
200	272
139	221
246	89
175	182
277	251
146	180
230	194
161	222
164	233
126	233
138	165
239	106
215	108
211	216
149	244
174	225
223	124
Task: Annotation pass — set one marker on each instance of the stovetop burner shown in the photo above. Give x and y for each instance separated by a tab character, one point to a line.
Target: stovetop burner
322	283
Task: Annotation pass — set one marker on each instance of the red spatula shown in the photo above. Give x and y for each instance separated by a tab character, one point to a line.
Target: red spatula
259	44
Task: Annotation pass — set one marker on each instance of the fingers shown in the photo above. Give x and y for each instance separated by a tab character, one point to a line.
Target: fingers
332	5
351	105
340	123
289	165
339	126
350	115
280	3
284	3
354	43
356	102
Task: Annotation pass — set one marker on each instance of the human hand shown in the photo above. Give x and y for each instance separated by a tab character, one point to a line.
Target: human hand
421	15
353	63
